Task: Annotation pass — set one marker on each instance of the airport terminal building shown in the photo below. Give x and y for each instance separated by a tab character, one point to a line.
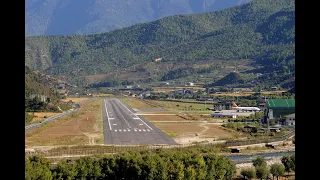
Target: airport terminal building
278	108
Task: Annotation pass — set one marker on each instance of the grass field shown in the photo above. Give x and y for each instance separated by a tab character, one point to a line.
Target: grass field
135	103
246	93
180	129
82	127
163	118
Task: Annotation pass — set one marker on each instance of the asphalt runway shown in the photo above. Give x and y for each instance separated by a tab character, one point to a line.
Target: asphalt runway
123	127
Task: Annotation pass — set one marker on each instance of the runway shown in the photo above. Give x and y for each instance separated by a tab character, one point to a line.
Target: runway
122	126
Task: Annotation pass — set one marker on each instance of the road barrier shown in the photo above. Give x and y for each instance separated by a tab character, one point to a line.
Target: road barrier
49	119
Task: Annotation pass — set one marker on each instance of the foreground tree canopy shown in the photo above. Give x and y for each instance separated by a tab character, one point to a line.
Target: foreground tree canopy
136	165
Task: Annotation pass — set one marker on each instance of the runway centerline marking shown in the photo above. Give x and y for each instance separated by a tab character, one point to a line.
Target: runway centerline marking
134	114
105	104
122	117
114	124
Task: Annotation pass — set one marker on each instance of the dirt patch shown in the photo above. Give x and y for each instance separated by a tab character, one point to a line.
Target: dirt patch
187	133
71	130
217	132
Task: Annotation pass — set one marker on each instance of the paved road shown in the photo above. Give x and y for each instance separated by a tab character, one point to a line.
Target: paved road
48	120
123	127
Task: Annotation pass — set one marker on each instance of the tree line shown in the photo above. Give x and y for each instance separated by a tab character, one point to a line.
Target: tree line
164	165
262	171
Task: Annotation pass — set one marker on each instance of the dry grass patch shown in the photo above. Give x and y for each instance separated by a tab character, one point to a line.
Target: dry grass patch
135	103
40	116
180	129
163	118
217	132
71	129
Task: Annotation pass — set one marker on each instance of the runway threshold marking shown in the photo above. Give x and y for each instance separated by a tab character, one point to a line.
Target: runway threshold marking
134	114
105	104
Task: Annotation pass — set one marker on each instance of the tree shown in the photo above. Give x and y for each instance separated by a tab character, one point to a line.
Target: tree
277	170
294	140
175	170
259	161
262	172
37	168
248	173
286	161
27	117
293	162
190	173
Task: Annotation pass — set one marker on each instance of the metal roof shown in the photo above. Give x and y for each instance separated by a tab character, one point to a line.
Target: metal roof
289	103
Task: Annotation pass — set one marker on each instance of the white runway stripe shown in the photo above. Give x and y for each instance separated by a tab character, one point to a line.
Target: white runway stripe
139	129
115	130
144	130
124	130
120	130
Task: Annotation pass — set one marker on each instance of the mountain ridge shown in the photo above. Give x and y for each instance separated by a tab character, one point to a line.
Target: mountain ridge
65	17
230	34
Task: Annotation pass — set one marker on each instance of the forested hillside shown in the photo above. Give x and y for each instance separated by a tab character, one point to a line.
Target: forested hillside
38	95
65	17
262	30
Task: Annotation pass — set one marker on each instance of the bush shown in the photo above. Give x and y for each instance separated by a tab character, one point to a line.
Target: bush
277	170
248	173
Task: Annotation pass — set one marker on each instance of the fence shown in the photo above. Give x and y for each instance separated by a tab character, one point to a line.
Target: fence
69	152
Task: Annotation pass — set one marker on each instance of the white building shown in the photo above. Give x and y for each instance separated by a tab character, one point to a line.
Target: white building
190	84
290	119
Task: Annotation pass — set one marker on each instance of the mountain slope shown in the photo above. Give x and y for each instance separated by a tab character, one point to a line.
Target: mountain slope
231	78
249	31
65	17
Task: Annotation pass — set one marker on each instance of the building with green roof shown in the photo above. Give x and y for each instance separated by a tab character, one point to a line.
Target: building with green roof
277	108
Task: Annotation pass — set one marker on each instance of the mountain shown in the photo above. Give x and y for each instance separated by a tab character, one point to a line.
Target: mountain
261	31
65	17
